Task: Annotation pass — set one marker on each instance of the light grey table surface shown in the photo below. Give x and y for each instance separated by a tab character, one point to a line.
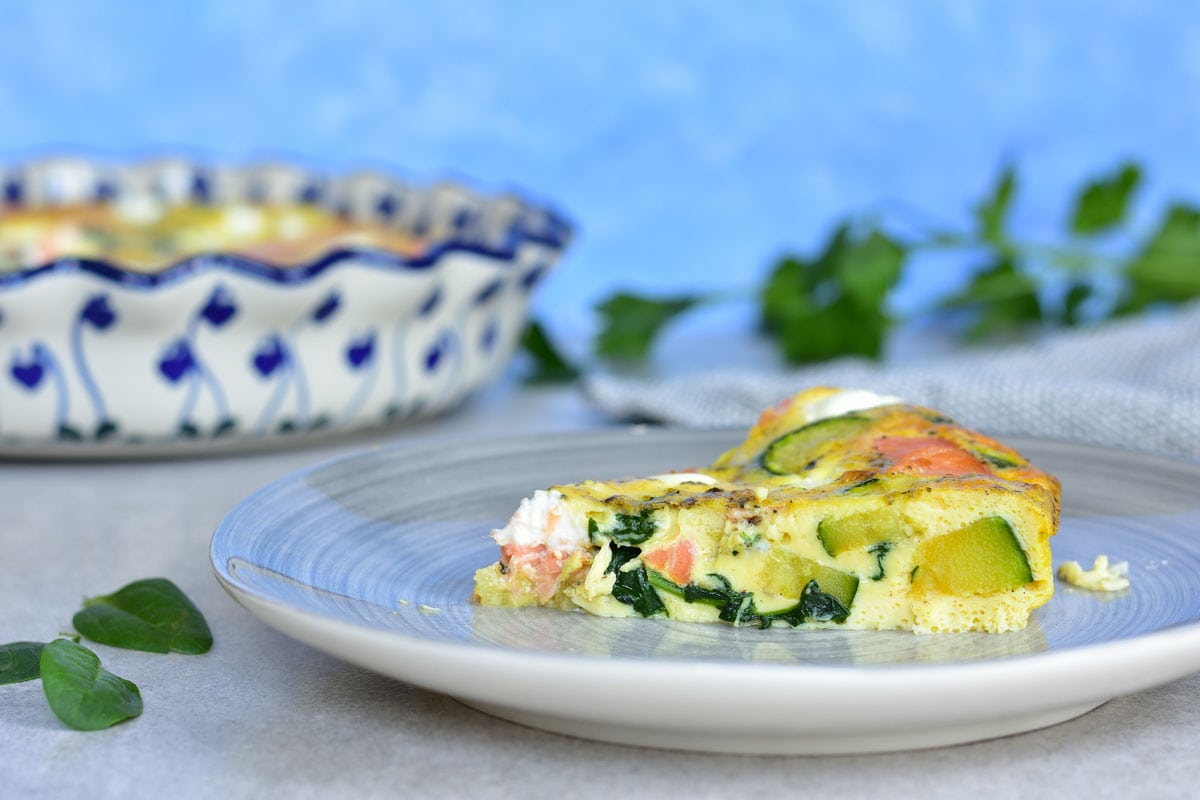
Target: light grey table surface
264	716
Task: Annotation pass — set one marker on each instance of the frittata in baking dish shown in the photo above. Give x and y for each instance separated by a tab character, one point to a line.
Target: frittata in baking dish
840	509
144	234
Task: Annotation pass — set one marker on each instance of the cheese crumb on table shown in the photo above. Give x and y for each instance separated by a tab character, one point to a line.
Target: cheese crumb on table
1102	577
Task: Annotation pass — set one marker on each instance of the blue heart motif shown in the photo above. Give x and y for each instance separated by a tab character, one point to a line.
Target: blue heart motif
489	291
98	312
488	339
29	374
270	357
177	361
431	303
532	278
327	307
360	350
220	307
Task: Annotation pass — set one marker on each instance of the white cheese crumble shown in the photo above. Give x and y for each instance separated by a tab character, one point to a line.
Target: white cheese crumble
139	208
544	519
845	401
1100	578
243	220
677	478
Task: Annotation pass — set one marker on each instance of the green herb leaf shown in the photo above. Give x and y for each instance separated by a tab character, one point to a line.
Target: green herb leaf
1168	267
739	609
869	268
1076	296
1104	202
151	615
19	661
632	586
633	528
991	215
631	323
834	305
880	551
549	364
1001	298
81	693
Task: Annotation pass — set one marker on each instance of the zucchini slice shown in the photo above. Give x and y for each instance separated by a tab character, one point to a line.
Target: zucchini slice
799	451
984	558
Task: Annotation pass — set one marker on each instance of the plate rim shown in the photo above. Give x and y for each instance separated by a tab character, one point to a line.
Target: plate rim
1112	667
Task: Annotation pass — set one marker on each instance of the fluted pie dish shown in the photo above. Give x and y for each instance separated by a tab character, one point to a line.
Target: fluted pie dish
175	305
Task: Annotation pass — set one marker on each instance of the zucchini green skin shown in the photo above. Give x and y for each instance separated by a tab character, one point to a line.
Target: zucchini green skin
798	451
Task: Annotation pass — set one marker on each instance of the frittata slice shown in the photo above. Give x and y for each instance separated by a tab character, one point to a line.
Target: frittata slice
840	508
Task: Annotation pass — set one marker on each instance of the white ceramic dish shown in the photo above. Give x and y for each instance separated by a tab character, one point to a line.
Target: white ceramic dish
219	349
370	558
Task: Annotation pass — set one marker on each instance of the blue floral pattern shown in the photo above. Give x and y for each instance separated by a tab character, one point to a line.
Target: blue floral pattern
360	358
97	314
274	360
179	362
186	352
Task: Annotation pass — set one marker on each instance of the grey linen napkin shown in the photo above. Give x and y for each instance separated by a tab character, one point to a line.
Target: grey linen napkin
1133	384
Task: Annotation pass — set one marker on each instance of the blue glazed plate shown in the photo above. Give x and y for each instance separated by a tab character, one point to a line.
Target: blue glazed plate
370	558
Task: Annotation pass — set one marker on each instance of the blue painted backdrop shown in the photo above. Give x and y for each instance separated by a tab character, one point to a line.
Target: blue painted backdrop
692	142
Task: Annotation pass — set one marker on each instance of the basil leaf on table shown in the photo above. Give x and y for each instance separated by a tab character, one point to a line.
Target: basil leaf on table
151	615
19	661
81	693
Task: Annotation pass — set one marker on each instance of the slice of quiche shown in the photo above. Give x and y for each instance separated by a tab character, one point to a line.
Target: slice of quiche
841	508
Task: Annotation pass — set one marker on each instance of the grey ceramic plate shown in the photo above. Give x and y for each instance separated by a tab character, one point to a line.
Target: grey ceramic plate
370	558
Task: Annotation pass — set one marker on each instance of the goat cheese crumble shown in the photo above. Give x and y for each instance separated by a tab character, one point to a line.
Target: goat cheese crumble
1102	577
544	519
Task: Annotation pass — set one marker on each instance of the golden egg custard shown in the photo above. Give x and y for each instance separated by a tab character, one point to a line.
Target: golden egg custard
840	509
144	234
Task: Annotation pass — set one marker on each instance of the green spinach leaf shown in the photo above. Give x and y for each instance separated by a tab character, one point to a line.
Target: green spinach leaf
19	661
633	528
880	551
632	586
739	609
151	615
81	693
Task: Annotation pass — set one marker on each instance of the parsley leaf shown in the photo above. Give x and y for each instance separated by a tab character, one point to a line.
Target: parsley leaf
1168	267
151	615
549	364
1104	202
19	661
631	323
1001	297
81	693
991	215
834	304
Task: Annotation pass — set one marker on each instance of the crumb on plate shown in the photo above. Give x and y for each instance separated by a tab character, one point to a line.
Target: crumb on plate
1102	577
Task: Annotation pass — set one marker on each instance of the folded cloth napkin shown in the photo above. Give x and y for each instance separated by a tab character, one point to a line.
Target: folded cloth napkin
1133	383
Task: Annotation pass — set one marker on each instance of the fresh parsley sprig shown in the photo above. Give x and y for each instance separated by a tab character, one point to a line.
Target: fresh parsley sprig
152	615
835	303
